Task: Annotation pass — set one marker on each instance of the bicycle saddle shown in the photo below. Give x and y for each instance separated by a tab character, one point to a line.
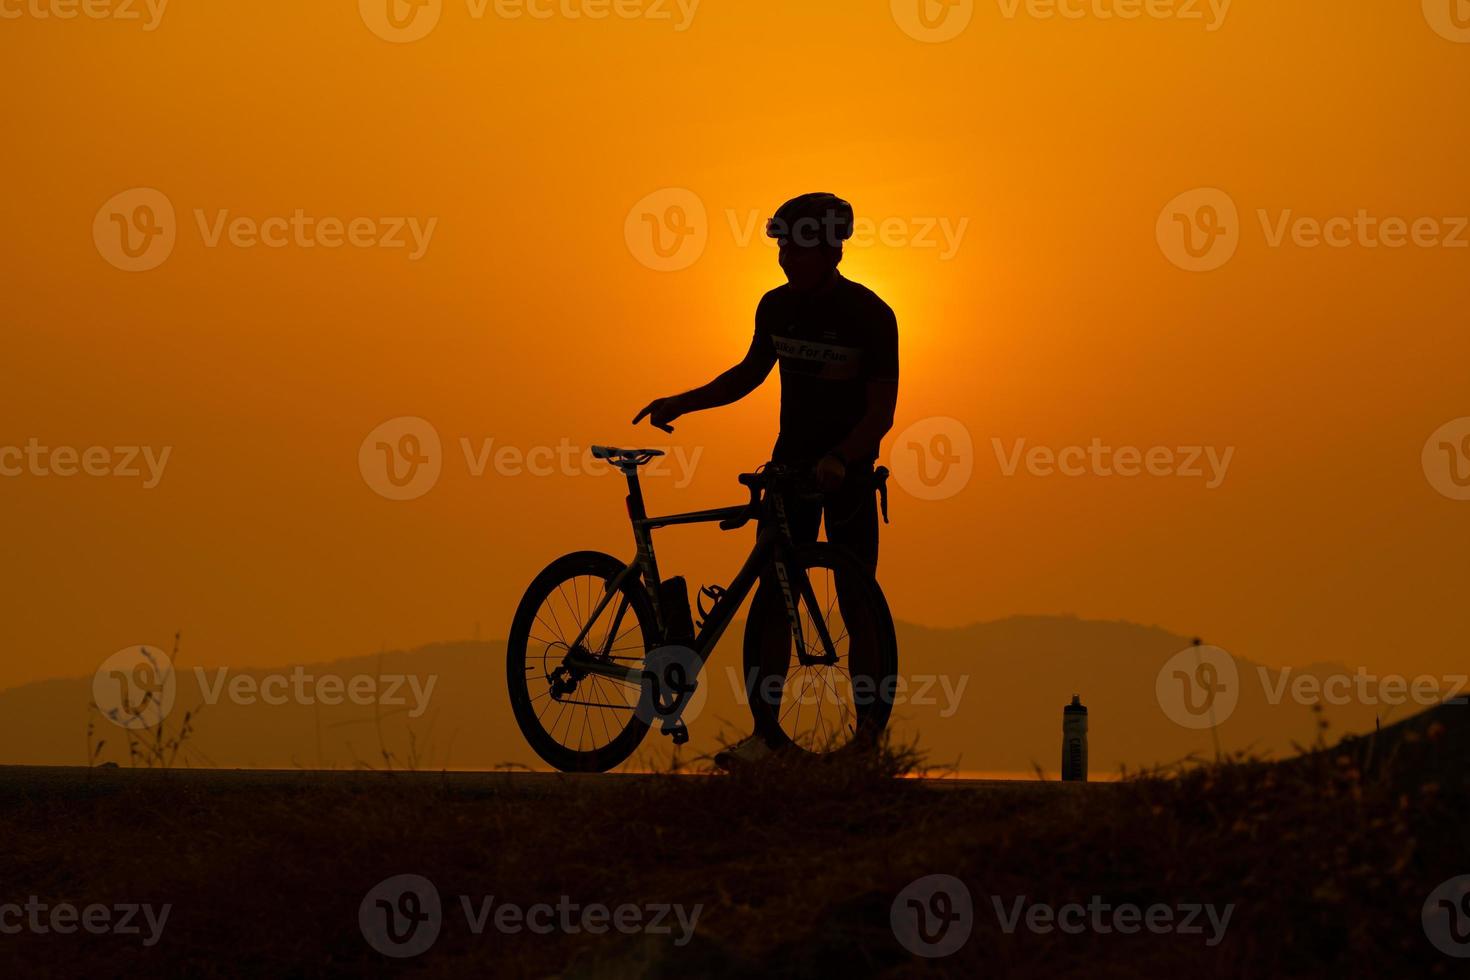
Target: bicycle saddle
635	457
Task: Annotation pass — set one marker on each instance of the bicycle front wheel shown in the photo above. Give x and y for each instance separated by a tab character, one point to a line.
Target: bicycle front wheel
810	698
578	721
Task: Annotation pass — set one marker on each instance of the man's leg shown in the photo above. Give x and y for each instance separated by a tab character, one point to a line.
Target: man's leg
852	517
852	524
768	609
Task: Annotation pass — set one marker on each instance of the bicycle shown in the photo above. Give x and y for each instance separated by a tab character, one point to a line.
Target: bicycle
575	670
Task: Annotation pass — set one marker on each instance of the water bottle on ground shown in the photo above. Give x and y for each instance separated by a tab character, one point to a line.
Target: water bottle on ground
1074	742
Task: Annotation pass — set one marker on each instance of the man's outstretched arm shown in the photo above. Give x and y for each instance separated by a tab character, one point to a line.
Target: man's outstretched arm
731	386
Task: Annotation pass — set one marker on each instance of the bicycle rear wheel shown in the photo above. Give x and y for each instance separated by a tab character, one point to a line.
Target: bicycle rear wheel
814	707
577	721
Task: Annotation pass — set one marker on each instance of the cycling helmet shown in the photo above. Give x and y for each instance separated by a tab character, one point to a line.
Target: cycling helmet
813	219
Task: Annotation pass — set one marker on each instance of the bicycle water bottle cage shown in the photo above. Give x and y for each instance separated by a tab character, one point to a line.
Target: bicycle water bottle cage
625	458
715	594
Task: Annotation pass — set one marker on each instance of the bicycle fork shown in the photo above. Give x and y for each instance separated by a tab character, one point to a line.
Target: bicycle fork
803	589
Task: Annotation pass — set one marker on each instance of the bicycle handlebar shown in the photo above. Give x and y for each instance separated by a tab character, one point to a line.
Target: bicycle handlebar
771	477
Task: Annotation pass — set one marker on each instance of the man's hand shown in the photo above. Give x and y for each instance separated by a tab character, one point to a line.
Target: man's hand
661	412
830	472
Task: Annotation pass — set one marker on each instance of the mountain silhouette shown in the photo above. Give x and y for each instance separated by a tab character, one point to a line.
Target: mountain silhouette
985	698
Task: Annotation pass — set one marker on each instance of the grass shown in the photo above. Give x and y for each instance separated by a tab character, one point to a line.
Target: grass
1327	860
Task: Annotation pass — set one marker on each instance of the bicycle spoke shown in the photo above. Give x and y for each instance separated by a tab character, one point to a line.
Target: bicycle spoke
829	689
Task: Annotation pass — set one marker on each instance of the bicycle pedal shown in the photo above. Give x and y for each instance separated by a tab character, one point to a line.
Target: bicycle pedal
678	731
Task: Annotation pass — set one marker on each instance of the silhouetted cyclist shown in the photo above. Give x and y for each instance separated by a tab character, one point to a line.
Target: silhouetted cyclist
837	344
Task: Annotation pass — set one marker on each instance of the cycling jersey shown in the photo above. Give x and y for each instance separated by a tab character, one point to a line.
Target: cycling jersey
829	345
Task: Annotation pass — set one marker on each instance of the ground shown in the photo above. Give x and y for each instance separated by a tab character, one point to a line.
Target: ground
1324	864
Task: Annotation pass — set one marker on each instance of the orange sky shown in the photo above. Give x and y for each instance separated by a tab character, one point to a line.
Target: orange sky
1047	146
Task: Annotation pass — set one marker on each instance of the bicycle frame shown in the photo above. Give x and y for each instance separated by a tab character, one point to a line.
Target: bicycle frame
773	545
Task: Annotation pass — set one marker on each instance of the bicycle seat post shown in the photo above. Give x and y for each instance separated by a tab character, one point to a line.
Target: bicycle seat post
636	509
